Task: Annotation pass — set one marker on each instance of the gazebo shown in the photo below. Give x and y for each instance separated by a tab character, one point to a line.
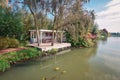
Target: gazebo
46	36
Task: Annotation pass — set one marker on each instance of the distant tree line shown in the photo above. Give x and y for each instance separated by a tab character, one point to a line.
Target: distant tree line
115	34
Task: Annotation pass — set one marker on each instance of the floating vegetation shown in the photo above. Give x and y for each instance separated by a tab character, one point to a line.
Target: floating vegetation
57	75
63	72
57	69
43	78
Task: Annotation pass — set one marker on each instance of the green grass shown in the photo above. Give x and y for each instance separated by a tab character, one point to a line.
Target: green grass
14	57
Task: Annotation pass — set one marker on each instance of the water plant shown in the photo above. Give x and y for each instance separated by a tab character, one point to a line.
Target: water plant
52	51
57	69
4	64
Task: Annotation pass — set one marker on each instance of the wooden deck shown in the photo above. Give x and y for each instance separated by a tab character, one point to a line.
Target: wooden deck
47	46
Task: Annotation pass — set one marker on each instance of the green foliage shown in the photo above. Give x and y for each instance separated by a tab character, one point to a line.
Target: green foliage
83	43
4	43
50	52
24	43
13	43
103	34
69	38
53	51
11	24
4	64
13	57
76	43
95	29
90	42
8	43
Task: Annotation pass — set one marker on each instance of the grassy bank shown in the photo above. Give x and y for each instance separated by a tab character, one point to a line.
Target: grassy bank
6	60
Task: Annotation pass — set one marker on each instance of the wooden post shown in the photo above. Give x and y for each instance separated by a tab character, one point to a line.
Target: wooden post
31	41
30	35
61	36
33	36
55	36
41	37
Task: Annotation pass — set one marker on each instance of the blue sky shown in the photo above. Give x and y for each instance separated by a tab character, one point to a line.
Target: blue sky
107	13
97	5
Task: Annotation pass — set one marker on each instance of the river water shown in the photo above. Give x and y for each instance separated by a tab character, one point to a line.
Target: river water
99	63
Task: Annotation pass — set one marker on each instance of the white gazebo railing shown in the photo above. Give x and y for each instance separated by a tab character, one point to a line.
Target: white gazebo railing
45	35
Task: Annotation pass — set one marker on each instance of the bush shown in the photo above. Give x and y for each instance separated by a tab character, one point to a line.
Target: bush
76	43
53	51
83	43
24	43
11	23
90	42
13	43
4	43
8	43
12	57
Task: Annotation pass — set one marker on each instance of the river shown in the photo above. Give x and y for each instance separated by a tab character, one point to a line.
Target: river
98	63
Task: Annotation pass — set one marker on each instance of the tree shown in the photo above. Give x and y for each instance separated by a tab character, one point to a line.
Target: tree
2	3
95	29
11	24
78	20
37	9
58	8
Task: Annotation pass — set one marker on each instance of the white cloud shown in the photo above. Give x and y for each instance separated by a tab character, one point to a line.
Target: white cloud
109	18
112	3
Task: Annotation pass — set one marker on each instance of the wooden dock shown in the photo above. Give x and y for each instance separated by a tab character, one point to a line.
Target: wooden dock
47	46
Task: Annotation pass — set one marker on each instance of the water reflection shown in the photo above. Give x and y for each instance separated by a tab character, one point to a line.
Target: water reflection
108	58
104	41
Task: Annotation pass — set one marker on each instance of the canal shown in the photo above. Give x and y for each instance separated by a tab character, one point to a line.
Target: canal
99	63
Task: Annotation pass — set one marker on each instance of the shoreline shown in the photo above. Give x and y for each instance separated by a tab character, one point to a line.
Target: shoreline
40	56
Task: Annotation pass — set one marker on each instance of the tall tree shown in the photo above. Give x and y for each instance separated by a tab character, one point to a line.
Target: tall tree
10	22
57	9
37	9
77	19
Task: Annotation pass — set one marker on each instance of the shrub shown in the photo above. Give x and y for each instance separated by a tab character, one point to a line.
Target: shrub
53	51
4	43
13	43
24	43
13	57
90	42
11	23
8	43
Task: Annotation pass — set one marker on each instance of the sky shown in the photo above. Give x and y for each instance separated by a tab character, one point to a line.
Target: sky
107	13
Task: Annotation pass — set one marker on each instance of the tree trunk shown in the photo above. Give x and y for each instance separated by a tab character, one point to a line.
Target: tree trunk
37	31
53	34
35	21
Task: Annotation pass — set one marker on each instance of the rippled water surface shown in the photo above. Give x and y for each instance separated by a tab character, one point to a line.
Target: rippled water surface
99	63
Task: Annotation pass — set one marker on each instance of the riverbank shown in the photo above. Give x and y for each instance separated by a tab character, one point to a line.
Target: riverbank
10	58
14	57
97	63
